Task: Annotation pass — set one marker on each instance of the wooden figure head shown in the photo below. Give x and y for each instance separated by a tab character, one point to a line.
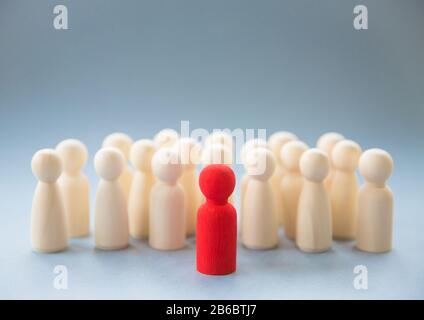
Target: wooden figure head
217	182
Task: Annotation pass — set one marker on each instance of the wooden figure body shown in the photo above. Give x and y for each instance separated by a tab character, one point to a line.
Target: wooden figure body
344	189
111	230
326	143
260	224
167	220
375	211
291	184
48	220
216	231
165	138
75	187
123	143
141	156
189	152
314	231
276	141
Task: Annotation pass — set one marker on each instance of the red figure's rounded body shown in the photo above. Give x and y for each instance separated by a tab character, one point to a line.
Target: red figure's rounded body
216	230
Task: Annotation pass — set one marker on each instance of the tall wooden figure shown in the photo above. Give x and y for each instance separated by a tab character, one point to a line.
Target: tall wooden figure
260	222
327	143
275	142
291	184
249	145
344	189
189	152
111	231
75	187
141	156
165	138
123	143
375	212
48	221
314	233
167	221
216	231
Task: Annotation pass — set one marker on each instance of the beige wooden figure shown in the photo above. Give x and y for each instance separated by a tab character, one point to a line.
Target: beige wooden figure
141	156
291	184
166	138
220	137
248	146
217	154
167	221
260	225
48	220
275	142
344	189
75	187
326	143
123	143
314	231
111	231
375	212
189	152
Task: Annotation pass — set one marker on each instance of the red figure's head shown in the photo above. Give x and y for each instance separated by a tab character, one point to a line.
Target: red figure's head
217	182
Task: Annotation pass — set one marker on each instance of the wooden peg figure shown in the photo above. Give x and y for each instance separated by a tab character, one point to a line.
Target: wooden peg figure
216	231
314	231
189	152
111	230
260	222
75	187
326	143
375	212
48	220
275	142
217	154
344	189
291	184
167	221
123	143
166	138
220	137
249	145
141	156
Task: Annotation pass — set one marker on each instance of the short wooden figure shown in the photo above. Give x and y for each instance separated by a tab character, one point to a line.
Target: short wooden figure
375	212
167	220
216	231
344	189
275	142
260	222
123	143
314	231
326	143
291	184
141	156
111	230
48	218
75	187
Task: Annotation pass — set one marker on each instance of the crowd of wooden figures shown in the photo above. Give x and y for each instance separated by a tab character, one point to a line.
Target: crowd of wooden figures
150	189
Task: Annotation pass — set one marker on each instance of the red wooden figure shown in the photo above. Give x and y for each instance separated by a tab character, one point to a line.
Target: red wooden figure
216	230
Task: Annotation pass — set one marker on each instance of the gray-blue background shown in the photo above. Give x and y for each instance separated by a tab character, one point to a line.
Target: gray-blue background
140	66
